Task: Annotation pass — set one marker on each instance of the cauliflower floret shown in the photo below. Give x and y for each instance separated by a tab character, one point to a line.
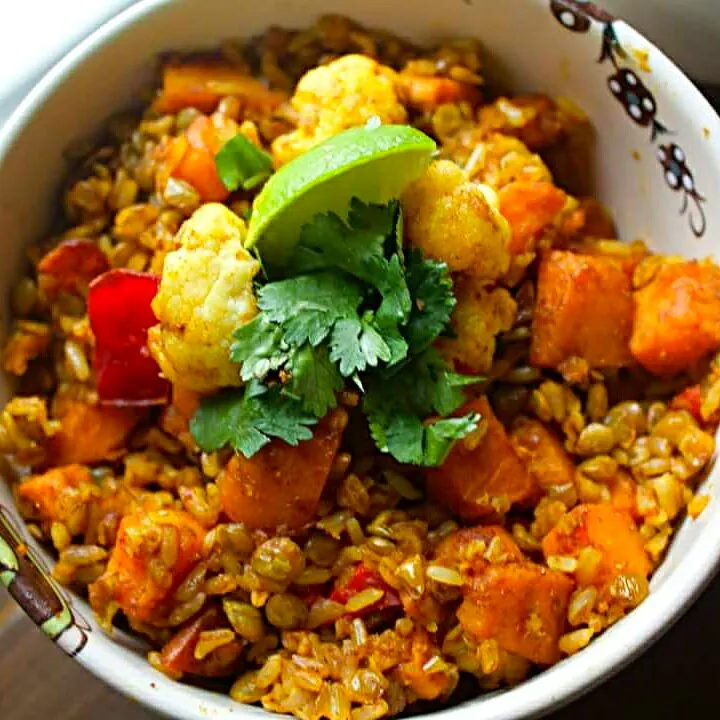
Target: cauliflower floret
205	293
453	219
478	317
496	159
331	98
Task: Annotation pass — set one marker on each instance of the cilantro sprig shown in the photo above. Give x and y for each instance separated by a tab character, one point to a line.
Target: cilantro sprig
351	308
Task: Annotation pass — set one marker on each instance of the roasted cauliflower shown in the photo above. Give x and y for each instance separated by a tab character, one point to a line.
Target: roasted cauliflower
453	219
478	318
206	292
497	160
331	98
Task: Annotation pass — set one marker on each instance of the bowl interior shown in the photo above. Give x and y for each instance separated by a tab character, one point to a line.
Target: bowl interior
657	165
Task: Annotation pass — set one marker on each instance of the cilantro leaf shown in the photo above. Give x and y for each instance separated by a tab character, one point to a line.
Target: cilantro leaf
396	303
410	440
440	435
358	249
431	288
241	164
249	419
259	347
314	379
326	242
357	343
307	306
398	403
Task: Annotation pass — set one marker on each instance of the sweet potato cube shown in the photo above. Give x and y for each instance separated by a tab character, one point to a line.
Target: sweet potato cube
677	317
521	605
465	550
584	309
604	528
281	485
129	580
91	433
479	480
542	452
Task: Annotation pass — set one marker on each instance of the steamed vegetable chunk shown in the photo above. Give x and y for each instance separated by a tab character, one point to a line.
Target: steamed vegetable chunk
147	543
542	453
677	317
482	476
90	433
479	316
607	530
281	485
584	309
205	293
457	221
202	85
521	605
329	99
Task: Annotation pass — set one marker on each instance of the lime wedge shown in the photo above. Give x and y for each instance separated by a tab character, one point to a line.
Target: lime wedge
371	163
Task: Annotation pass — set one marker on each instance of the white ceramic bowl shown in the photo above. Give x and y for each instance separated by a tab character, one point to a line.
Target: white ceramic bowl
658	167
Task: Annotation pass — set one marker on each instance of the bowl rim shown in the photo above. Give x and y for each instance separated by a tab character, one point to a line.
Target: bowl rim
549	690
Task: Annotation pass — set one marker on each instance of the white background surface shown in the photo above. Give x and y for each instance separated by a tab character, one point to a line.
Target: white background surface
35	33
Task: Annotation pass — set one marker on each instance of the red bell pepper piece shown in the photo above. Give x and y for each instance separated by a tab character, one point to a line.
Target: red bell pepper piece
178	654
365	577
120	311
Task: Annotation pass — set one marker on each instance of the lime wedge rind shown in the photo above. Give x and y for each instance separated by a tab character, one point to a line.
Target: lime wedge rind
373	164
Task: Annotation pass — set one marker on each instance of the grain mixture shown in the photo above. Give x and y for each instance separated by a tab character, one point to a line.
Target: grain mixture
329	580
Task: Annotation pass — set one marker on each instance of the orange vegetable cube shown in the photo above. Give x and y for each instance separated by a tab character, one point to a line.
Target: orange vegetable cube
483	479
521	605
128	578
584	309
542	452
677	317
427	92
47	493
465	549
607	529
91	433
281	485
531	208
202	85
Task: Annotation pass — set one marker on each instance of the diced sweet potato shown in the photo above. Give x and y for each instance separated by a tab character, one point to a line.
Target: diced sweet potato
542	452
424	682
677	317
484	479
607	529
128	580
426	92
281	485
584	309
465	549
523	606
45	492
178	654
202	85
623	493
531	208
71	266
91	433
